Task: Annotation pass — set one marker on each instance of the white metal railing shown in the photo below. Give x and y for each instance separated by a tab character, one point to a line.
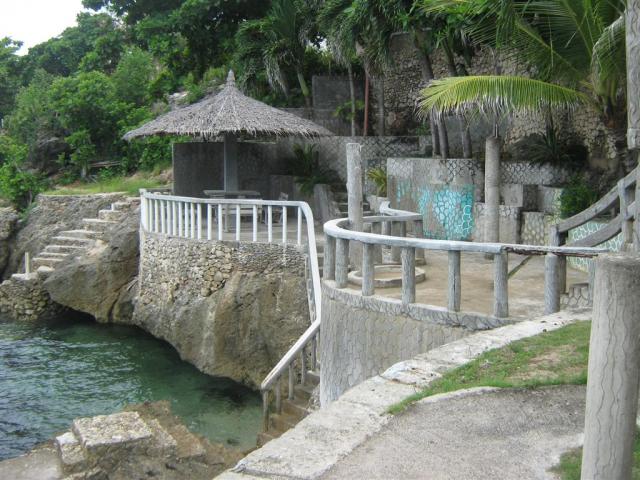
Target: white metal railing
336	259
204	219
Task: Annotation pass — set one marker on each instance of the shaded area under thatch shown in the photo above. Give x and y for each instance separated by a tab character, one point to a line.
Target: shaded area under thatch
229	112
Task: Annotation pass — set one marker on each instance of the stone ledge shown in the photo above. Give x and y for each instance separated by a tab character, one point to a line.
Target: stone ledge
322	439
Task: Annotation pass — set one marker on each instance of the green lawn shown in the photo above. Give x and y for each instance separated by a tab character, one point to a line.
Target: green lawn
129	185
551	358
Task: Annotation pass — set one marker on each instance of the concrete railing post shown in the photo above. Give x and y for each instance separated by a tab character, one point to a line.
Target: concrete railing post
408	262
354	192
368	269
453	299
501	285
329	265
614	369
342	262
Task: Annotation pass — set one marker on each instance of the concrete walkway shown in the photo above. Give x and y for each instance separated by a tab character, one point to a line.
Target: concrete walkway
473	434
347	438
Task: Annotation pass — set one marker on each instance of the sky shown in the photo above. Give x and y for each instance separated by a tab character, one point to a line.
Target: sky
34	21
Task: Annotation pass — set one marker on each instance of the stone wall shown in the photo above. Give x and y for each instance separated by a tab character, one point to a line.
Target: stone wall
232	309
363	336
26	300
403	82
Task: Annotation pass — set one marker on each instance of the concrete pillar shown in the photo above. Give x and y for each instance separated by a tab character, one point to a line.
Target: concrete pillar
632	29
614	369
354	192
492	189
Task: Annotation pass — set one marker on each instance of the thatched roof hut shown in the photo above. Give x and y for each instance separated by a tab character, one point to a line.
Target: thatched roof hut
229	114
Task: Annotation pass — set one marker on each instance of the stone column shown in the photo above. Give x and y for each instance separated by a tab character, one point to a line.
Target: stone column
614	373
354	191
633	96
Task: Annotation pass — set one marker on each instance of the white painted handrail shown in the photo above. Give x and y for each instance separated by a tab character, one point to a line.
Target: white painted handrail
158	215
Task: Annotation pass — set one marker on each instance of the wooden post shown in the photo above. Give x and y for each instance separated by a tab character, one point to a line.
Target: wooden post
354	192
408	260
368	269
230	162
492	189
501	285
329	266
342	262
613	372
454	281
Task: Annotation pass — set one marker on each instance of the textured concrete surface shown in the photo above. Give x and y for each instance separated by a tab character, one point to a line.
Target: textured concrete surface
328	436
473	434
39	464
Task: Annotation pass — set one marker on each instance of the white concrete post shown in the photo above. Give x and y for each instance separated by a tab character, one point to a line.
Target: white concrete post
354	192
614	369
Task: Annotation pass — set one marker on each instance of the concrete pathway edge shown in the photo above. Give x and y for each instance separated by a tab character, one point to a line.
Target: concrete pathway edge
326	436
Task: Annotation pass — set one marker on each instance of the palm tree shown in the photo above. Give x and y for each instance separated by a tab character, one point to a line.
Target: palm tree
277	42
495	97
360	29
579	43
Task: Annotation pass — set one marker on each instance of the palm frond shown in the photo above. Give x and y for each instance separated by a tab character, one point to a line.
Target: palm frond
608	62
494	96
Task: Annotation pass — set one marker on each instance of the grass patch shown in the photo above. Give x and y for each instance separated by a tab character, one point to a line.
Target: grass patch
570	464
129	185
552	358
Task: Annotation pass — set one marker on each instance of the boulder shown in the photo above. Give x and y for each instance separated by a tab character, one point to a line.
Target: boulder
100	282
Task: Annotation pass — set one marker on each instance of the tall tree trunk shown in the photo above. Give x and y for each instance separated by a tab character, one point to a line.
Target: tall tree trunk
365	121
427	75
465	135
352	97
444	138
380	104
492	188
304	88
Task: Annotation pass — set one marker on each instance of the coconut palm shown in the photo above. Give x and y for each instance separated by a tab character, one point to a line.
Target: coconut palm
360	29
277	42
495	97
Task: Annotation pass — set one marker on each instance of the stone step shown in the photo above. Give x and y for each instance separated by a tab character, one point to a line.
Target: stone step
264	437
282	421
71	455
85	234
111	215
303	392
46	262
60	255
71	249
126	205
97	224
295	408
74	241
23	277
313	378
44	271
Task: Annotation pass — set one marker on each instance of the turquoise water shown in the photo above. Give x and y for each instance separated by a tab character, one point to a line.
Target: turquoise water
51	374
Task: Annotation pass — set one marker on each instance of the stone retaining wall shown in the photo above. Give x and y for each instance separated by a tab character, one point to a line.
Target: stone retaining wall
363	336
27	301
231	308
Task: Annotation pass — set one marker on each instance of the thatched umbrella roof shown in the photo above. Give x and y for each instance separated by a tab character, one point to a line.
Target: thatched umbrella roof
229	112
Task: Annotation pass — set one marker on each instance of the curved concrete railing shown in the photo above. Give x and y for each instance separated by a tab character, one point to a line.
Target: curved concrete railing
203	219
336	258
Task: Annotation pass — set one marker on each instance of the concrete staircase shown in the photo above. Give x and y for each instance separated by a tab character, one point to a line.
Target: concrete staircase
293	410
72	243
343	204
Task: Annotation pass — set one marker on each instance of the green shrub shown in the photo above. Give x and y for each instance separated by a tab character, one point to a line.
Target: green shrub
550	147
378	176
305	167
20	186
577	196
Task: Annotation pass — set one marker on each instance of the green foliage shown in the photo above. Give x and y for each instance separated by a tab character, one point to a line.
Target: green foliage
84	151
305	167
550	147
378	176
577	196
133	76
558	357
9	74
344	112
16	184
151	152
